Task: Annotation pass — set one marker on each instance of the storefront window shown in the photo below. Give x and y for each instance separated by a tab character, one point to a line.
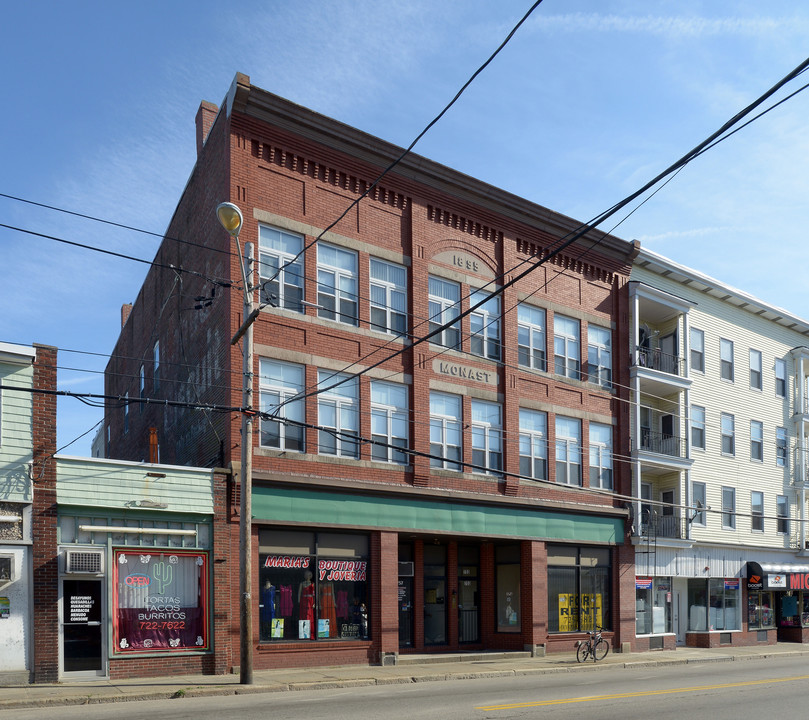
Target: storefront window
805	609
714	604
312	586
653	606
578	588
507	569
760	610
790	616
160	601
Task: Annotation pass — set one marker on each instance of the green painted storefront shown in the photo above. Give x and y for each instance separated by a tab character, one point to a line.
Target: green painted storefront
286	505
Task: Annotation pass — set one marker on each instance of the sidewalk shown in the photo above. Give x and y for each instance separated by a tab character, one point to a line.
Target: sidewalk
411	669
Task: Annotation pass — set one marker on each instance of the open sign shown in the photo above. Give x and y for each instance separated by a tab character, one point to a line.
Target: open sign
137	580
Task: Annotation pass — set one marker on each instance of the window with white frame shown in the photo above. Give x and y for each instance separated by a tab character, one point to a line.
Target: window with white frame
781	447
388	285
755	369
278	383
726	359
728	430
126	412
697	350
531	348
780	378
484	325
756	440
698	503
600	456
156	364
757	511
533	444
729	508
389	421
698	427
599	355
566	356
338	414
444	299
445	431
487	440
782	514
141	387
568	450
280	270
337	283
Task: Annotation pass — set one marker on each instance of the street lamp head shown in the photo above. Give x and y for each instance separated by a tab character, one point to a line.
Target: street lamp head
231	218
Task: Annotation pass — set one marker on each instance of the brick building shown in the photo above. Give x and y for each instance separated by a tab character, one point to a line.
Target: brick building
453	494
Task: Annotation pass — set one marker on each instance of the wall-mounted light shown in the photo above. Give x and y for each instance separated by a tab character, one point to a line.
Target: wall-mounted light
10	518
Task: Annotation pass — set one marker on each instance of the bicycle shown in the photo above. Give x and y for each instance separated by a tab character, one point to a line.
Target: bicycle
595	645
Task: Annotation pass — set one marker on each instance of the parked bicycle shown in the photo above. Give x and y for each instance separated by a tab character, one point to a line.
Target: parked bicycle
594	646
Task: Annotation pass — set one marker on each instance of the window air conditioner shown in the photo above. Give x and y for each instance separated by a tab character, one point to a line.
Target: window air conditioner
84	561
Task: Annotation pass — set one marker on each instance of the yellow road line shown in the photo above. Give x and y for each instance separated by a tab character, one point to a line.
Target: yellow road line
698	688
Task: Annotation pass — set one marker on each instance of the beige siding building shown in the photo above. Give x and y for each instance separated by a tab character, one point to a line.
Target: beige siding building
718	425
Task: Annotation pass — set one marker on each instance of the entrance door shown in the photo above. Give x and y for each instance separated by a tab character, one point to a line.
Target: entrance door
680	610
468	609
435	584
82	636
405	612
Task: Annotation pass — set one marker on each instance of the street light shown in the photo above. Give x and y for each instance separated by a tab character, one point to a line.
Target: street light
231	219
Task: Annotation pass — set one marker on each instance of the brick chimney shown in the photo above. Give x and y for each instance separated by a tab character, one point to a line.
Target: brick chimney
126	309
205	117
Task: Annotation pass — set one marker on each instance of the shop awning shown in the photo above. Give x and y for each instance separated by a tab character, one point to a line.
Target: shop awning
763	568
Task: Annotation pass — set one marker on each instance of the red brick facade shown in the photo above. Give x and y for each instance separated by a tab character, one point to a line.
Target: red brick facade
288	168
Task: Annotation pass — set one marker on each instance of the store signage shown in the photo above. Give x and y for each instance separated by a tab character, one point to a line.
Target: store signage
732	584
342	570
643	583
159	601
286	561
462	372
799	581
777	580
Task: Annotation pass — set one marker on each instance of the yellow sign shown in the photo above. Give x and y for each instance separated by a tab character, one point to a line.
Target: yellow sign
569	612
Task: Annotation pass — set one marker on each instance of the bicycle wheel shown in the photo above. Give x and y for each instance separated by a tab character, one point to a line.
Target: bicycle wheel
582	651
601	649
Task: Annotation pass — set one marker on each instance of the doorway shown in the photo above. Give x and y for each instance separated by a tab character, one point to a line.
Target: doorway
468	607
82	635
680	608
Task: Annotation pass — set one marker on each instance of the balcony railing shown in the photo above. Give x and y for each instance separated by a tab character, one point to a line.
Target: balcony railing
656	359
656	525
662	443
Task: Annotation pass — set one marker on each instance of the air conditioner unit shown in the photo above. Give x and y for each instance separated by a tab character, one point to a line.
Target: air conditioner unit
405	569
84	561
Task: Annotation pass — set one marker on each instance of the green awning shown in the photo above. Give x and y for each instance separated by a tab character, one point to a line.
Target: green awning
278	504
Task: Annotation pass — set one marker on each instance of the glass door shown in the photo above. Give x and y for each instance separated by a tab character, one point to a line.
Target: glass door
468	609
82	636
435	585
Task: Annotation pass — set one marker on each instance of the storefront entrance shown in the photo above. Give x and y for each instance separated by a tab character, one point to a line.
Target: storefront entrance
82	627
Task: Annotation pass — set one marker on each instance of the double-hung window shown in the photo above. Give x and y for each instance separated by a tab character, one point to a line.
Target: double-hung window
141	387
388	297
445	431
533	444
782	513
757	511
756	440
600	456
780	378
487	441
444	298
126	412
566	356
280	270
279	382
484	325
156	360
781	447
568	450
337	283
338	414
726	359
729	508
531	337
755	369
389	421
599	356
697	350
728	430
698	427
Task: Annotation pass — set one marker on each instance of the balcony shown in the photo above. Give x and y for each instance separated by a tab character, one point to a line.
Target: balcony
662	443
655	525
656	359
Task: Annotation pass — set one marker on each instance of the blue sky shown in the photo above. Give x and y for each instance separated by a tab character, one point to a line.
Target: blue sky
589	101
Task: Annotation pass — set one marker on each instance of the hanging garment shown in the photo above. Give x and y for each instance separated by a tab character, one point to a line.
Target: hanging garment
327	607
267	610
285	601
306	610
